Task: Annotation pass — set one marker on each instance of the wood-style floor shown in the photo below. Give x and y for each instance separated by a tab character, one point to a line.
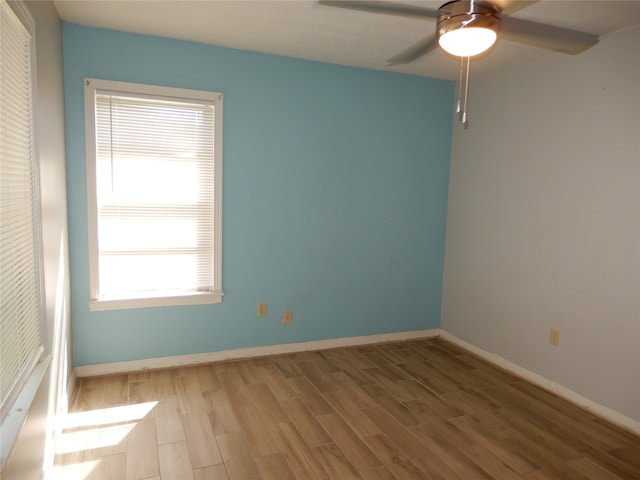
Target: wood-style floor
413	410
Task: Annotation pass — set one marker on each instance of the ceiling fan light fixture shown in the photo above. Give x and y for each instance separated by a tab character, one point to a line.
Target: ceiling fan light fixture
466	28
467	42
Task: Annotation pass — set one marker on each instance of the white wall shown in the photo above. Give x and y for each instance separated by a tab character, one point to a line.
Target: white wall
543	219
32	448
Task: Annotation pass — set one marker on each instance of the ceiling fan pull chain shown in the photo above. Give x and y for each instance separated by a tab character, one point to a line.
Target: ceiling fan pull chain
459	100
463	91
464	119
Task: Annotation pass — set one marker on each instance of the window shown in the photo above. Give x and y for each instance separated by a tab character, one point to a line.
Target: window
20	264
154	165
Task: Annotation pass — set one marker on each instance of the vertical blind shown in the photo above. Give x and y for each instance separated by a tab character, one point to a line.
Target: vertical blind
20	297
155	195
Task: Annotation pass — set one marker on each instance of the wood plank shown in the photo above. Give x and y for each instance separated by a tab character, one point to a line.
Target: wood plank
401	436
518	421
351	408
394	459
380	473
316	402
455	459
142	451
270	408
286	366
230	377
389	381
93	382
89	398
97	441
214	472
163	382
348	367
221	414
140	376
141	392
624	462
301	460
190	397
396	408
320	358
255	428
322	381
591	469
174	461
544	456
448	430
202	443
352	445
250	372
490	463
107	468
237	456
275	467
305	422
480	435
427	401
541	475
207	378
74	465
169	427
437	468
278	383
116	390
335	463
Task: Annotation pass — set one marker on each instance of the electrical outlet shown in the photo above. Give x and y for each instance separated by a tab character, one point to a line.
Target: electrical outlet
554	337
262	309
286	318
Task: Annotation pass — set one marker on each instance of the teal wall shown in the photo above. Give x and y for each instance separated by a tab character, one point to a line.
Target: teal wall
334	199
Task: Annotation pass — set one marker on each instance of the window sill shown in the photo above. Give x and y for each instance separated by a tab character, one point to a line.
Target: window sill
117	303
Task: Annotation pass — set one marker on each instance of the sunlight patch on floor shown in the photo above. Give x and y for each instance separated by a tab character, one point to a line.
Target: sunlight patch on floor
93	438
79	471
107	416
93	443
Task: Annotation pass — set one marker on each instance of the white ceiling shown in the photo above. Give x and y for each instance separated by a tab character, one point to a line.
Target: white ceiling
305	29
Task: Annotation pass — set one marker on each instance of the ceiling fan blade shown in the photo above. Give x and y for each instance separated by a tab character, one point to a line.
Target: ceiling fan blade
387	8
414	52
508	7
558	39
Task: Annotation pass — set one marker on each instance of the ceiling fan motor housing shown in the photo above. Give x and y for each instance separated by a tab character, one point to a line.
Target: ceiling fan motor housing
466	14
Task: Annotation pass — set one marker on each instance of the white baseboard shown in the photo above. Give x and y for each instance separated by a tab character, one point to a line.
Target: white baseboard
252	352
587	404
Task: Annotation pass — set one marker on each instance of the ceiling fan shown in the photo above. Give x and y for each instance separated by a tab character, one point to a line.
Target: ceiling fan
466	28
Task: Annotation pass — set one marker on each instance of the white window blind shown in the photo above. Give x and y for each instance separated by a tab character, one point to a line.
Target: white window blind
155	192
20	293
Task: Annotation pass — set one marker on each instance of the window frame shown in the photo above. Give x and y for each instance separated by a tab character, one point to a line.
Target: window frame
96	303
